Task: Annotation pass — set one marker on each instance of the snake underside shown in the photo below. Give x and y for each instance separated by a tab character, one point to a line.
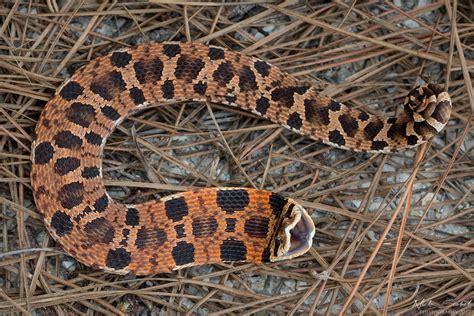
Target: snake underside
207	225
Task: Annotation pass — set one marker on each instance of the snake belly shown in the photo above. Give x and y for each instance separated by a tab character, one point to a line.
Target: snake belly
202	226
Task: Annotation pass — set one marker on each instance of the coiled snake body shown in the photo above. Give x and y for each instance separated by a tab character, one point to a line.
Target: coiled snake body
206	225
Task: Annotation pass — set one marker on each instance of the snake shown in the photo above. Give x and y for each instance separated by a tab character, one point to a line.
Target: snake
207	225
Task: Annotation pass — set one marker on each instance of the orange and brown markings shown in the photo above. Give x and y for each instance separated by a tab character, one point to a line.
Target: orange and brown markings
196	227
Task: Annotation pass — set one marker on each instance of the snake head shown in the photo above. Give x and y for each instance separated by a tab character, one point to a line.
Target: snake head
429	107
294	236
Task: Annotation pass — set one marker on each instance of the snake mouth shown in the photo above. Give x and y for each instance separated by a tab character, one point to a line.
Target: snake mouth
295	234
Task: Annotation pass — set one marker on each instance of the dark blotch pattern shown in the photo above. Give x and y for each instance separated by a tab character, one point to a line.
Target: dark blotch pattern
125	233
66	139
132	218
316	114
168	89
96	225
101	90
180	233
334	105
107	236
204	226
233	250
372	129
188	68
378	145
309	109
223	74
71	91
109	85
363	116
349	124
416	93
257	227
276	83
93	138
232	200
140	72
412	140
183	253
137	96
286	95
100	230
171	50
176	209
118	258
336	138
262	105
120	59
71	194
247	80
294	121
66	165
110	113
216	53
408	111
397	129
200	87
160	235
277	203
150	238
148	71
230	98
43	153
266	255
90	172
81	114
424	128
230	225
262	67
101	203
81	215
62	223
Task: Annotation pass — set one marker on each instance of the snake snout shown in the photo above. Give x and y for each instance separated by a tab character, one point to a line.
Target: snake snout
295	235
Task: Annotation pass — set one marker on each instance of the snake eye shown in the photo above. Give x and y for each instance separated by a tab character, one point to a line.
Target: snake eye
294	236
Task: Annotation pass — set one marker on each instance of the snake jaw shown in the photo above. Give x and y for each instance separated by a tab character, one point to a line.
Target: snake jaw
294	236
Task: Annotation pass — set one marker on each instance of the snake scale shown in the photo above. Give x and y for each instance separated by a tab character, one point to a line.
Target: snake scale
202	226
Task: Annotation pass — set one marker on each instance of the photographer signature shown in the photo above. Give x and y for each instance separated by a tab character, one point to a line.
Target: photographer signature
459	307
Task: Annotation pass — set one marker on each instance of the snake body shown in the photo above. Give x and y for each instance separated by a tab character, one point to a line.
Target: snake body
206	225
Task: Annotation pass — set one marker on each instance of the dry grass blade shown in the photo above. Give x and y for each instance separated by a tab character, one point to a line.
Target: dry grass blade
369	256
